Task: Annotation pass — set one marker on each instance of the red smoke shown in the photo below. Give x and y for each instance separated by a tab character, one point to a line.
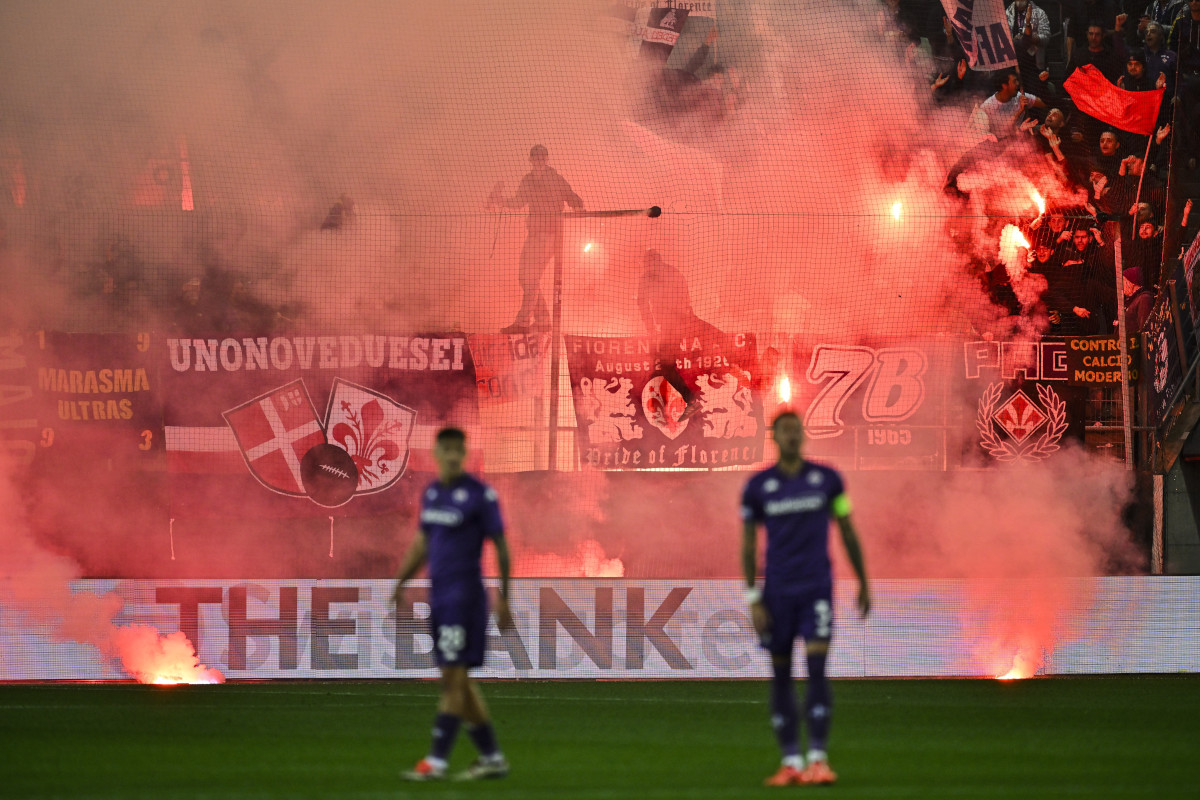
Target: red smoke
815	209
35	588
153	658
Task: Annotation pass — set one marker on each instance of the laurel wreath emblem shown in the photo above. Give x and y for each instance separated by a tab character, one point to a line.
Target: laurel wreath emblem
1046	444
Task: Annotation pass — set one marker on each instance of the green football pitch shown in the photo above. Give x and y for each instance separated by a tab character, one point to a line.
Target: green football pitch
1087	737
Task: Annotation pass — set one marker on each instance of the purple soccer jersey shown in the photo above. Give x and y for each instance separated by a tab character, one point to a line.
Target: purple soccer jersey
795	511
456	519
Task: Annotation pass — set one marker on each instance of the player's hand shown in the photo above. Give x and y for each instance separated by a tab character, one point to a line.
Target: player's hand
504	619
864	599
761	618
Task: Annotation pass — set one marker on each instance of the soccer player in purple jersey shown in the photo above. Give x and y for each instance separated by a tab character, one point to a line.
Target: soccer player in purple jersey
793	500
458	512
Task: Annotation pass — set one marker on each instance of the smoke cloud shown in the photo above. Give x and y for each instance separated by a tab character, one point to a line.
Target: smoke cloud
336	159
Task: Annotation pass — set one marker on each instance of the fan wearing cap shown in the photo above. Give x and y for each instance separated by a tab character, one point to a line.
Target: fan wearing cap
1136	79
1138	300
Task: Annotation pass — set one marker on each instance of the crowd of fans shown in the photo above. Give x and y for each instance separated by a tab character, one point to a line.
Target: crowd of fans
1114	184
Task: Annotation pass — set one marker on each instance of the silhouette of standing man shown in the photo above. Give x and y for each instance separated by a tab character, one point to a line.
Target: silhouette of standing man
666	310
543	191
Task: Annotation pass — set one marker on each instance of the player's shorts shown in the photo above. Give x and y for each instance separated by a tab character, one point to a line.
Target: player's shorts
805	615
459	628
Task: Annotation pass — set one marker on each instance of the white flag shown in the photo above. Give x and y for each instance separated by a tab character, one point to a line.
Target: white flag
983	30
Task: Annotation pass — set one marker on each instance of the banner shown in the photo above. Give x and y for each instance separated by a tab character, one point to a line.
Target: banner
871	407
1019	405
661	32
97	396
622	630
631	415
296	425
1096	360
982	28
510	369
1164	362
1190	259
20	431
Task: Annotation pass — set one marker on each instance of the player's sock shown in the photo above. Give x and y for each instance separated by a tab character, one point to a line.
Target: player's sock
445	730
784	717
818	703
484	738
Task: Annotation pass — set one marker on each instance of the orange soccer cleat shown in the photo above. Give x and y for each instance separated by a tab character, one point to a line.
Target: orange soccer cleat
424	771
786	776
817	773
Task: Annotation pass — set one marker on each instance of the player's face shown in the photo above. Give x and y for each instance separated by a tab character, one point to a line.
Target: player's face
789	437
450	455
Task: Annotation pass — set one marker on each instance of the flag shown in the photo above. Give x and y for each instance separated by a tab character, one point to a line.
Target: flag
982	29
1136	112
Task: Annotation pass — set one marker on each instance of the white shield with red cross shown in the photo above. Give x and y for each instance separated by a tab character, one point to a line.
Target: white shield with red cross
274	431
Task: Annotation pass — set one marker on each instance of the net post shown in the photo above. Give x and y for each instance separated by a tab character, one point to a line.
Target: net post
1126	420
555	331
1156	543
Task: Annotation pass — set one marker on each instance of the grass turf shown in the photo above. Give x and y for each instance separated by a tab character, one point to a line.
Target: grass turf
1087	737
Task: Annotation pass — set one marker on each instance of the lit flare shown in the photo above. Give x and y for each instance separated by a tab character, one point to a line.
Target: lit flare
1038	200
161	660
